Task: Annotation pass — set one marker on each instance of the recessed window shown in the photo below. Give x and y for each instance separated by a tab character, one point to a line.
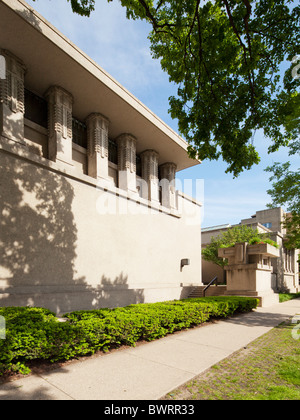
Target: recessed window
267	225
79	132
138	165
112	151
36	108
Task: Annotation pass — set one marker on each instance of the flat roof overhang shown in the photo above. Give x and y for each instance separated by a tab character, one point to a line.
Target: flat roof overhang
52	59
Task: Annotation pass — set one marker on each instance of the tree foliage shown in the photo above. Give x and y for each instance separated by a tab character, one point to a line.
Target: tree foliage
82	7
225	56
228	238
285	191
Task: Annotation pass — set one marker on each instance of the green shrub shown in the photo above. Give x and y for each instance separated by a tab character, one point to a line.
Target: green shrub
258	240
284	297
35	333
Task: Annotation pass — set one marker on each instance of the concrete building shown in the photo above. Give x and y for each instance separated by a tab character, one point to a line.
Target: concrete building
285	268
89	212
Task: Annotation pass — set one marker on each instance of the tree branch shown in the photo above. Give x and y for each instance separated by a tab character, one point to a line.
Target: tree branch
201	55
246	19
156	26
251	78
188	38
231	20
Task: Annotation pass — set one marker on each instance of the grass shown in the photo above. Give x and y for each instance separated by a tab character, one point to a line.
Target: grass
268	369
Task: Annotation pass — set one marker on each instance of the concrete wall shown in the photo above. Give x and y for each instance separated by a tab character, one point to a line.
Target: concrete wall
76	233
286	267
210	270
273	216
64	247
36	138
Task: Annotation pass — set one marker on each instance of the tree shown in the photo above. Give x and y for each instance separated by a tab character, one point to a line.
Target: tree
82	7
225	56
236	234
285	191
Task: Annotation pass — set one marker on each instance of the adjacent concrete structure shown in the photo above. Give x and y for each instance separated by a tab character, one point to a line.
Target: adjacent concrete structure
285	275
89	212
249	271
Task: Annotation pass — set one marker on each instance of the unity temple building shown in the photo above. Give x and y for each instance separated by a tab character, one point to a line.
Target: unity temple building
90	216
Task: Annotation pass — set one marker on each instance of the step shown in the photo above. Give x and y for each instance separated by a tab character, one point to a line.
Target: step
211	291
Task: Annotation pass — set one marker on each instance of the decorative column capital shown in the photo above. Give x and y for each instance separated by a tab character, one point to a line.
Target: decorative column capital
150	174
150	152
60	105
127	162
97	130
167	182
12	97
126	152
97	136
57	93
168	171
13	65
96	117
12	86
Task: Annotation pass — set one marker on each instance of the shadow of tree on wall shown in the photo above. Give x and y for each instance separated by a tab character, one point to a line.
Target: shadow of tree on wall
120	284
38	240
38	236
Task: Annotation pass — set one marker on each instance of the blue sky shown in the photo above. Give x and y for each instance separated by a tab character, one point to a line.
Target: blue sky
121	48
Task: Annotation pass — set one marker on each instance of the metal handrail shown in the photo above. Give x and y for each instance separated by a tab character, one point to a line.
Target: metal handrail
215	279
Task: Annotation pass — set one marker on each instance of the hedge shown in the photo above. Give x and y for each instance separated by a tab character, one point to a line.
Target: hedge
36	334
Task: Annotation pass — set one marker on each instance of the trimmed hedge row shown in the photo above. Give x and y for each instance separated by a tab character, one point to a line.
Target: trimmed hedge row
35	333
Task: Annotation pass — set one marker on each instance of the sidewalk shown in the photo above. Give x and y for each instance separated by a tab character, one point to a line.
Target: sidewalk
149	371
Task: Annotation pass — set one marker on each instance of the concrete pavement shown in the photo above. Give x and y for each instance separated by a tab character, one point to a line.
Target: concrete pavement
150	370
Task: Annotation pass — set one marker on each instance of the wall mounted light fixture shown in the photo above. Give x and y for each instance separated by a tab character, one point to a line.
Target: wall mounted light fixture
184	261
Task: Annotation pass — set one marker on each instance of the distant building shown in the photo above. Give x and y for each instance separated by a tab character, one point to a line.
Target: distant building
286	267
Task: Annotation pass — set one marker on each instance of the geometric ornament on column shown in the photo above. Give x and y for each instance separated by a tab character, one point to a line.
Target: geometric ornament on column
167	182
12	104
127	162
97	145
150	175
60	105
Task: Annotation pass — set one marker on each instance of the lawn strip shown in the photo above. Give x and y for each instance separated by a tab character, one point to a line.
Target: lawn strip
267	369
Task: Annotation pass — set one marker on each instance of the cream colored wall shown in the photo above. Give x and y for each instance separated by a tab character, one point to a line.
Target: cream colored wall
79	158
60	252
113	173
210	270
36	138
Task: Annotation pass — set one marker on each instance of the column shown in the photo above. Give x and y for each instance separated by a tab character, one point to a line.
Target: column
150	175
167	182
60	104
12	106
2	67
127	162
97	146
